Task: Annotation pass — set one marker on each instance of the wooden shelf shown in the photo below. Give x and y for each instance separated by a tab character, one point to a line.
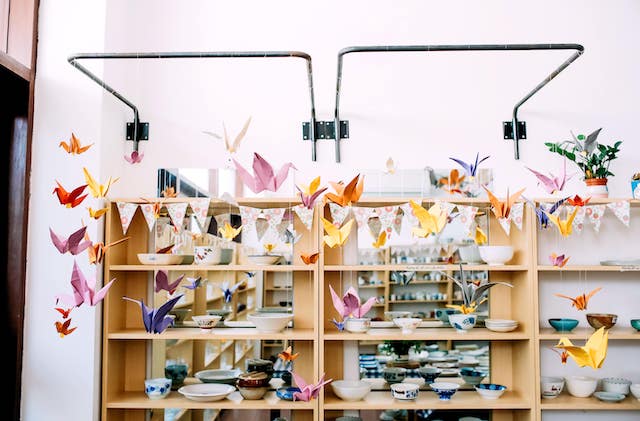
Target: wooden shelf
616	332
444	281
417	301
139	400
427	399
213	268
424	268
215	356
215	334
566	402
240	291
427	334
243	353
370	286
590	268
283	289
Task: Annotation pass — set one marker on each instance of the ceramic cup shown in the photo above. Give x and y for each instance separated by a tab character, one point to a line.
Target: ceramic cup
206	255
354	325
177	373
551	387
394	375
157	388
405	391
462	322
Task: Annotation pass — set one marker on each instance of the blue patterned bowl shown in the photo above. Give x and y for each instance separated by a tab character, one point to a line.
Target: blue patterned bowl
429	374
490	390
444	390
563	325
443	314
157	388
471	376
635	323
463	322
286	393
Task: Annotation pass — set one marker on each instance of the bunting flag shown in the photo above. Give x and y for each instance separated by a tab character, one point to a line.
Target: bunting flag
448	207
338	213
248	215
305	215
621	210
516	214
127	212
262	226
200	208
375	226
578	221
274	217
595	214
397	220
149	212
505	223
467	217
360	214
408	212
222	219
387	215
177	212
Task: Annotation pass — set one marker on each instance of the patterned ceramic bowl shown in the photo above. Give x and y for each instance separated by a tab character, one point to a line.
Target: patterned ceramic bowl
157	388
444	390
462	322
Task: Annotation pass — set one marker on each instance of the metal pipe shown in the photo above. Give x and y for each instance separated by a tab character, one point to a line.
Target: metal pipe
73	60
579	49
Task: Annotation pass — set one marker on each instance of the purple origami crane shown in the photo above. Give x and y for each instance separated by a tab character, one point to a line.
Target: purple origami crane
349	304
264	177
72	244
162	282
308	391
156	320
83	290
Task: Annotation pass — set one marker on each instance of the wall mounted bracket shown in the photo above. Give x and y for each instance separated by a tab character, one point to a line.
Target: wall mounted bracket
326	130
137	131
513	129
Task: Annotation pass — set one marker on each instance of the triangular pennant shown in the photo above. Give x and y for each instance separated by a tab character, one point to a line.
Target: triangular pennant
222	219
283	225
262	225
578	221
595	214
408	213
447	207
397	220
200	208
305	215
360	214
467	217
621	210
338	213
248	215
176	213
387	214
516	214
505	223
126	211
149	213
274	217
375	226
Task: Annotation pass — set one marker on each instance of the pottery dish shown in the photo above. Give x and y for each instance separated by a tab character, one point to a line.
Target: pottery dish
160	259
350	390
444	390
490	390
429	374
405	391
563	325
407	324
501	325
206	323
270	322
253	393
390	315
206	392
462	322
496	255
394	374
253	379
581	386
263	259
218	376
635	323
357	325
286	393
551	387
635	390
598	320
157	388
609	396
616	385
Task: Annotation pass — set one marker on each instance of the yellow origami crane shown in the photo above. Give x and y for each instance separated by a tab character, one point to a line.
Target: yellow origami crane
97	189
97	213
431	221
228	232
592	354
565	227
336	237
269	247
381	241
480	237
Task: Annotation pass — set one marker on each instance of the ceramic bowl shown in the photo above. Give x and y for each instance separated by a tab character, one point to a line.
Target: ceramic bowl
177	373
390	315
258	364
471	376
270	322
563	325
609	396
206	255
598	320
181	314
501	325
443	314
635	323
350	390
429	374
407	324
206	323
157	388
462	322
496	255
581	386
253	379
444	390
405	391
253	393
394	374
206	392
551	387
635	390
616	385
470	254
286	393
490	390
218	376
160	259
263	259
222	312
355	325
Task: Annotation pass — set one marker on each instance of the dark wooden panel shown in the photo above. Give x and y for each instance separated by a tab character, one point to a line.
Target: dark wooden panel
21	30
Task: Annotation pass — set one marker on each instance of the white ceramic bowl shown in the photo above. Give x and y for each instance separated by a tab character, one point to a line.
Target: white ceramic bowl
551	387
206	255
462	322
499	325
160	259
218	376
206	392
490	391
360	325
206	322
405	391
263	259
581	386
470	254
407	324
496	255
157	388
270	322
616	385
390	315
635	390
350	390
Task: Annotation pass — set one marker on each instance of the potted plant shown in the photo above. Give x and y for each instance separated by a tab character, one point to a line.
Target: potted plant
635	185
591	157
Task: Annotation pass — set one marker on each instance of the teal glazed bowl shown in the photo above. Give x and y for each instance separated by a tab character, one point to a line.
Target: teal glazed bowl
635	323
563	325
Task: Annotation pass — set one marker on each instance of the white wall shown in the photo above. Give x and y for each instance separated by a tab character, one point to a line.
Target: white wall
419	109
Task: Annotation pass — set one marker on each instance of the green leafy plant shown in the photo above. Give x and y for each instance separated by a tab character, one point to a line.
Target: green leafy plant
591	157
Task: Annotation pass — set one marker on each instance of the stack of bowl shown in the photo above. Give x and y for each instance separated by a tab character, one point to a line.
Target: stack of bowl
253	385
501	325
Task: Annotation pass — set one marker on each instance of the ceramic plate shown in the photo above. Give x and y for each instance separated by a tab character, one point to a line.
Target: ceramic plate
206	392
634	262
160	259
609	396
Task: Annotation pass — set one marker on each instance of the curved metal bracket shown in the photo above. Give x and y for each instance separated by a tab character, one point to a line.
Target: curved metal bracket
518	126
138	129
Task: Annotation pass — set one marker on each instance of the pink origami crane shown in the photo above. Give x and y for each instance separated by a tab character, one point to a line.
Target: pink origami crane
134	158
558	260
308	391
264	178
83	290
552	184
72	244
349	305
162	282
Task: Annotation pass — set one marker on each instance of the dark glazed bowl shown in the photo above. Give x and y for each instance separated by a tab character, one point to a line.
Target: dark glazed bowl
598	320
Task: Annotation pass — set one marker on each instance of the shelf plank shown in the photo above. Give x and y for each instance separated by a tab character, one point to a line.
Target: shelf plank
424	268
590	268
213	268
428	334
215	334
566	402
139	400
427	399
416	301
616	332
370	286
444	281
595	200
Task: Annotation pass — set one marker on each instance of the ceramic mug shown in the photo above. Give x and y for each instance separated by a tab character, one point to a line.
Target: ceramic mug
177	373
551	387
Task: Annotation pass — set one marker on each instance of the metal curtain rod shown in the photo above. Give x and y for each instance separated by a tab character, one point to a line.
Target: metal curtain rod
512	130
136	133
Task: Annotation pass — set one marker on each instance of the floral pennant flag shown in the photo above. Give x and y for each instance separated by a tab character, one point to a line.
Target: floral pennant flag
222	219
262	225
248	215
200	208
375	225
505	223
338	213
176	213
126	211
467	217
397	220
447	207
274	217
305	215
578	221
361	215
408	212
621	210
149	212
595	214
516	214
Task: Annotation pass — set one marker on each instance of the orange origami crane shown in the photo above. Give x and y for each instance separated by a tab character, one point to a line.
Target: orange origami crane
309	259
452	183
63	328
287	356
97	251
502	209
74	147
581	301
577	201
345	195
70	200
